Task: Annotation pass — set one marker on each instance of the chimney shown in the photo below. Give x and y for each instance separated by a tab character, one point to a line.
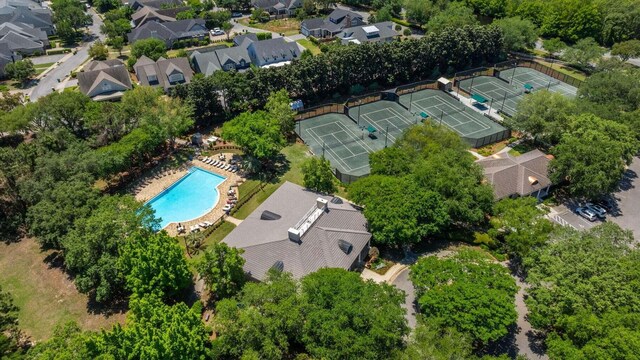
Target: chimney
532	180
321	203
348	20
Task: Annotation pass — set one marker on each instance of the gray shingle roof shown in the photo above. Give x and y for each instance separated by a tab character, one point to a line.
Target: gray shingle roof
169	31
520	175
274	48
38	18
162	69
147	13
383	31
99	72
266	242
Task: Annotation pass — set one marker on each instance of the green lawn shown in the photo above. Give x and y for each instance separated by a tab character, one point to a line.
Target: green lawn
315	50
44	294
218	234
42	67
521	148
295	154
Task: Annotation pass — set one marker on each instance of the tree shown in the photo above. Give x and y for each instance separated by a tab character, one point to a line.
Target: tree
117	44
455	15
427	341
156	331
519	34
279	107
8	312
187	14
153	264
399	212
67	342
94	244
385	13
611	94
544	115
215	19
583	53
106	5
335	328
626	49
318	175
9	101
21	70
116	28
572	297
592	155
554	45
69	17
264	320
151	48
221	269
99	51
521	225
258	133
419	11
467	291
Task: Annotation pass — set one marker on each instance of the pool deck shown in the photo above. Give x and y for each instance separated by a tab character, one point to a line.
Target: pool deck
157	185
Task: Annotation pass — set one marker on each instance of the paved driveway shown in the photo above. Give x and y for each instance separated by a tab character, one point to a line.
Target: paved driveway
628	201
568	215
69	63
403	283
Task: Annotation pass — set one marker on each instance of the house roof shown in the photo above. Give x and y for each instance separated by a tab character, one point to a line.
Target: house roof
168	30
516	175
274	48
335	22
22	37
276	4
264	235
338	15
313	24
113	71
156	4
38	18
147	13
369	33
162	69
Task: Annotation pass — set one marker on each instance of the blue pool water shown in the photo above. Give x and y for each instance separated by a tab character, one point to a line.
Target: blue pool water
188	198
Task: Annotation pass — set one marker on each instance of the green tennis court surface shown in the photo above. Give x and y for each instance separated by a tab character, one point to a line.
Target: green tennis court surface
342	142
387	117
505	97
473	127
521	76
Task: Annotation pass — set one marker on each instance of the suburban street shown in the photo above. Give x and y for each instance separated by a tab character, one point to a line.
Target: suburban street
68	63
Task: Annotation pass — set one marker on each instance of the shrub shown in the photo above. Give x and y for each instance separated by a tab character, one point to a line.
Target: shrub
398	27
407	32
264	36
314	40
401	22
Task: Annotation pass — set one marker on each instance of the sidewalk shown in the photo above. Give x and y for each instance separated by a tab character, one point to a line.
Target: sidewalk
388	277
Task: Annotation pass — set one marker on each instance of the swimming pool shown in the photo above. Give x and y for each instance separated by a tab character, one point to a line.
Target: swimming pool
192	196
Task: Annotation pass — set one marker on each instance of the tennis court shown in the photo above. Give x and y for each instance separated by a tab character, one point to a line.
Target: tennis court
388	118
342	142
473	127
500	94
519	76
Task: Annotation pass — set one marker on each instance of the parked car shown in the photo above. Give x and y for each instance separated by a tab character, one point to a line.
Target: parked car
606	203
599	210
586	213
236	14
217	32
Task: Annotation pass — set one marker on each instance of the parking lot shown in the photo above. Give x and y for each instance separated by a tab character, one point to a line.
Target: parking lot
626	212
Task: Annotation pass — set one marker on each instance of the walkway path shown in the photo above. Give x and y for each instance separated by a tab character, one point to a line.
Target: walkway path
527	342
233	220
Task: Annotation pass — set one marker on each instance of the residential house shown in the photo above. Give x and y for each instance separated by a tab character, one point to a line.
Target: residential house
278	7
247	50
170	32
23	39
513	176
378	32
146	14
104	80
299	231
331	26
273	52
155	4
164	72
6	57
37	18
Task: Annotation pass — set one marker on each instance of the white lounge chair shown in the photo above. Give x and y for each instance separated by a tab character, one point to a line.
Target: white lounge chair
215	162
208	223
221	165
202	225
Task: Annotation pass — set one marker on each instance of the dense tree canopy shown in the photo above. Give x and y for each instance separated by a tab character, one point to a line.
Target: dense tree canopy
399	211
21	71
519	34
467	291
152	48
318	175
427	341
592	155
584	293
259	133
221	267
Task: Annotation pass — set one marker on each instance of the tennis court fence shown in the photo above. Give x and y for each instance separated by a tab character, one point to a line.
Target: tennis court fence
320	110
417	86
346	178
547	70
468	74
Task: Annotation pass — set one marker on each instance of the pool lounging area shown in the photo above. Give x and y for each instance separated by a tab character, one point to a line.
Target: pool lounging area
192	196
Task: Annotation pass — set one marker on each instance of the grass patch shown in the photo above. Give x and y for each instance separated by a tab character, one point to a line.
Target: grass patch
491	149
219	233
313	48
40	68
577	74
521	148
289	26
44	293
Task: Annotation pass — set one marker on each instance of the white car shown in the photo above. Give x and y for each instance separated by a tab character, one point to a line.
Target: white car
586	213
217	32
599	210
